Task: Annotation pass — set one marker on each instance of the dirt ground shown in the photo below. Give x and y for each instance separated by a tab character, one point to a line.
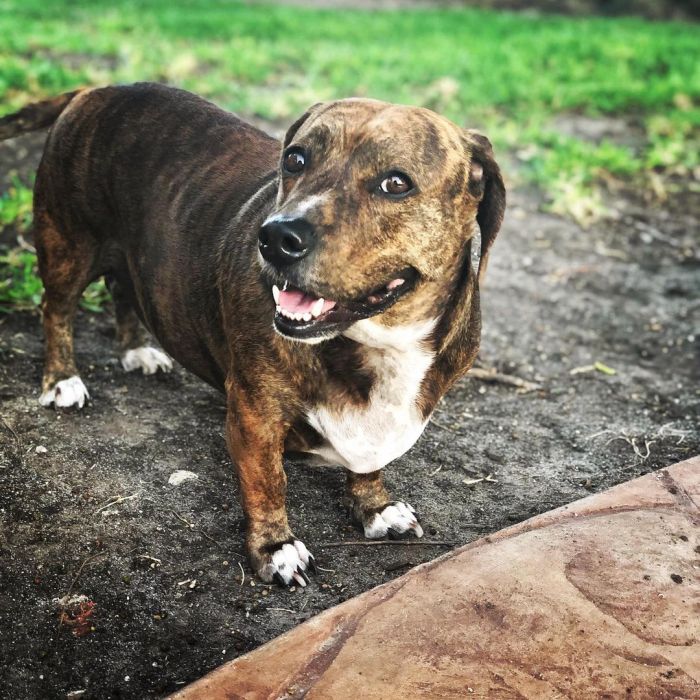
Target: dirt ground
155	589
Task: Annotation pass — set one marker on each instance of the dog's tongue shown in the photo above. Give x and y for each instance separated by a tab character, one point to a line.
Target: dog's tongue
295	301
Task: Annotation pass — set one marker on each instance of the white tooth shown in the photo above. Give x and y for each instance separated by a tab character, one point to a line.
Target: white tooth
298	316
285	286
278	309
317	307
307	316
276	294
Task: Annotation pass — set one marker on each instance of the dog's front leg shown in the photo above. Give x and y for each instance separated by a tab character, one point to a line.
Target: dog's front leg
255	438
375	511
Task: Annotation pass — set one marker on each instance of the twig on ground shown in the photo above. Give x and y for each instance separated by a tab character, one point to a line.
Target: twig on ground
479	479
116	501
666	431
181	519
192	526
444	427
156	562
80	570
17	438
74	581
433	473
242	573
282	610
207	535
329	571
491	375
647	447
376	543
598	434
632	442
642	453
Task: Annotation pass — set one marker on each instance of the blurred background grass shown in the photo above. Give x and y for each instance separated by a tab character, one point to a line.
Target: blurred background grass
539	85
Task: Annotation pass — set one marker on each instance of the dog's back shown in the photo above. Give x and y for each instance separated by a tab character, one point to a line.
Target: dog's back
135	184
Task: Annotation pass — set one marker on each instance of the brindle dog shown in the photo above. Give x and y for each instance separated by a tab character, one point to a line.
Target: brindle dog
328	292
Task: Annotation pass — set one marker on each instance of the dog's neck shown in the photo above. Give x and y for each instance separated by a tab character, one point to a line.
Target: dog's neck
392	339
366	432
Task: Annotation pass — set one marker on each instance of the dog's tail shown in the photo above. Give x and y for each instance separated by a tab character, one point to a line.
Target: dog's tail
35	116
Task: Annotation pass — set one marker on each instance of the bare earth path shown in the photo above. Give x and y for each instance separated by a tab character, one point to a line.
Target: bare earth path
86	508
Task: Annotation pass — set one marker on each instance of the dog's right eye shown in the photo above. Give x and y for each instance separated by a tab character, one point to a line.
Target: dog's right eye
294	160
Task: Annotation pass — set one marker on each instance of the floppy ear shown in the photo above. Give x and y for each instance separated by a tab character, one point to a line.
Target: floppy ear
291	132
486	184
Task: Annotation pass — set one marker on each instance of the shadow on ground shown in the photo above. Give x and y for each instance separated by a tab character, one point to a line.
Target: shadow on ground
159	590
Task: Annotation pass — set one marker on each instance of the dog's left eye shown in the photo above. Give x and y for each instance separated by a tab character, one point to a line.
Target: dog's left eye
294	160
396	184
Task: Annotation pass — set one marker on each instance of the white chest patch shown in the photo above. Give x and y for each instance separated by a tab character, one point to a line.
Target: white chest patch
368	438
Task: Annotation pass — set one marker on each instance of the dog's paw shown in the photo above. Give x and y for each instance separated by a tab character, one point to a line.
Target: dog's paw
287	564
395	519
66	393
147	359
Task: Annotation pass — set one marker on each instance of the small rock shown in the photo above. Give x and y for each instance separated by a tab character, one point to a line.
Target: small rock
40	450
177	477
72	600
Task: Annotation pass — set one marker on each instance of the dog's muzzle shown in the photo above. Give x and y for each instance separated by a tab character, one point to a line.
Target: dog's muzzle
283	242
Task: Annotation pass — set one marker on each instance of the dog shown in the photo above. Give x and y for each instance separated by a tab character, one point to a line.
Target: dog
325	284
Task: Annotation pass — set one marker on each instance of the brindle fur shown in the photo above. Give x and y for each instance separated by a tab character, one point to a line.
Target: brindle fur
164	193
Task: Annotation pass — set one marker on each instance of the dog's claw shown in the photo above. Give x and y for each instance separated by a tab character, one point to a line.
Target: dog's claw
312	564
394	534
288	564
396	520
300	577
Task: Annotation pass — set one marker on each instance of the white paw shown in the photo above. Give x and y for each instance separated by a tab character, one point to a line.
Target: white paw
288	565
148	359
398	517
66	393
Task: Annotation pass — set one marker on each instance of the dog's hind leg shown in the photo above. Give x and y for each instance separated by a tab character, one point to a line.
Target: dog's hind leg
135	348
66	266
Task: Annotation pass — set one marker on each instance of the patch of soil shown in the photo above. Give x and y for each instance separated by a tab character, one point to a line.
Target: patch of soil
116	583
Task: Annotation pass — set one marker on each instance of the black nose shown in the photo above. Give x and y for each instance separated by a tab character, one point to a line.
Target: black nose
286	241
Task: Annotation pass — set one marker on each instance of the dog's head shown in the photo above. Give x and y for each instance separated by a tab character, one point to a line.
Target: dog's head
376	206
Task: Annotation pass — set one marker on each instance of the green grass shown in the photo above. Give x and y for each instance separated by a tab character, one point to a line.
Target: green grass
509	74
20	286
16	206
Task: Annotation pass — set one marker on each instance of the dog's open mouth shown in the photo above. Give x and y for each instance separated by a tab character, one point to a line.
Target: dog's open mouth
302	314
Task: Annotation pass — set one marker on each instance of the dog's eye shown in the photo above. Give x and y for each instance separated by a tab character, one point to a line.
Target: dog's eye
396	184
294	160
